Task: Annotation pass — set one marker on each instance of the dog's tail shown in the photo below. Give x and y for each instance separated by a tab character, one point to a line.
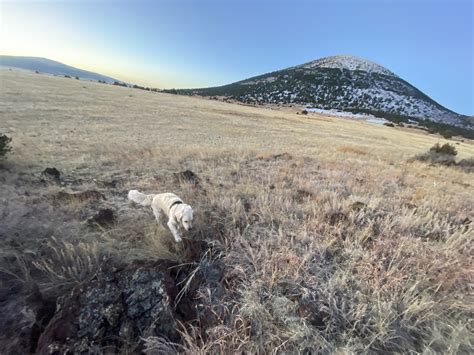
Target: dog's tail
138	197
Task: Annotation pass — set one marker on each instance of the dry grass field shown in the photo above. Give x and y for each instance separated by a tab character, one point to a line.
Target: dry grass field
331	240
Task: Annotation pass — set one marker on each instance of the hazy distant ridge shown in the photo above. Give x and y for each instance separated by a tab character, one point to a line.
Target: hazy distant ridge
48	66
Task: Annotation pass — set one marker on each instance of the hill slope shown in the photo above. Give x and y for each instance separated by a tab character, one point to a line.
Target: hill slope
344	83
49	66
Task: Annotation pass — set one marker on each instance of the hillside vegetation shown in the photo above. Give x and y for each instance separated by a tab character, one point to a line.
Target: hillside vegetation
315	234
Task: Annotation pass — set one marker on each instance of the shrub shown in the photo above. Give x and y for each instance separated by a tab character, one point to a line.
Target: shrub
467	164
444	155
118	83
70	262
439	154
4	145
351	149
447	149
447	134
436	158
304	112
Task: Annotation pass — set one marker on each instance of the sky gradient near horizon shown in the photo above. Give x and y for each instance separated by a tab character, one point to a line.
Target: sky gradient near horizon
186	43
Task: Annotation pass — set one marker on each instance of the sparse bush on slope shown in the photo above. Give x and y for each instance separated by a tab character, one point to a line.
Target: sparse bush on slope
446	148
467	164
444	155
439	154
68	262
4	145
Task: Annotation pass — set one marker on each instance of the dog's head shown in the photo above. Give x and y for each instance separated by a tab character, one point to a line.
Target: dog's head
184	214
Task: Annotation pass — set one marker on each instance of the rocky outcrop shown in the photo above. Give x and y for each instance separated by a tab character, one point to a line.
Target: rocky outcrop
104	217
51	174
24	314
114	309
186	176
120	306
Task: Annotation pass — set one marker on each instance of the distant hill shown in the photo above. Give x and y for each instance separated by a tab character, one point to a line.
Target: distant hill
48	66
344	83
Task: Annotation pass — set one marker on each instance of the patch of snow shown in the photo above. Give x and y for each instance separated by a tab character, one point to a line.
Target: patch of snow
357	116
269	79
377	121
347	62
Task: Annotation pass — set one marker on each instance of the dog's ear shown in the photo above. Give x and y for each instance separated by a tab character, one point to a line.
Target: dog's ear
179	213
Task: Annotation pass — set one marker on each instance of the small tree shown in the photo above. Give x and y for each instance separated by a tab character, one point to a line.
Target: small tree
446	148
4	145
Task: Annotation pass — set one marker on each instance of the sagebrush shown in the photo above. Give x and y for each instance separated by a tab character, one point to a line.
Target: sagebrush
446	148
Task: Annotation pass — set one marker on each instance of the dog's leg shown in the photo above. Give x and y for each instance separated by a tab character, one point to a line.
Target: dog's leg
174	230
157	213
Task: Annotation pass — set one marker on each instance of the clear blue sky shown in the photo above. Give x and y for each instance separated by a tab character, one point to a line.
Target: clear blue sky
186	43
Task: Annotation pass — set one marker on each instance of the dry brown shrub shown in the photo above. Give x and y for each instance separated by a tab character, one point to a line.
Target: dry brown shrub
352	149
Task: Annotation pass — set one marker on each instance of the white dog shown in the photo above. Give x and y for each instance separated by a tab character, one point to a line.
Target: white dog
178	213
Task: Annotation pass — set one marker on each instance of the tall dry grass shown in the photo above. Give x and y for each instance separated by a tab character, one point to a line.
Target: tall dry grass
358	263
317	257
